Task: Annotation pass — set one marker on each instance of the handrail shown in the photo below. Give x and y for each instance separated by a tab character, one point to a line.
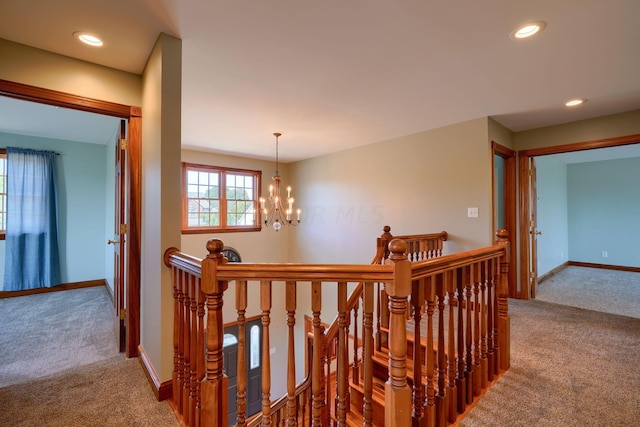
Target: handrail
465	291
431	267
381	249
276	405
315	272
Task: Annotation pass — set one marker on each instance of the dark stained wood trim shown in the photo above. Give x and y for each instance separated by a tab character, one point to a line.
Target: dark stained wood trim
523	229
511	220
553	272
162	390
605	266
523	159
580	146
134	237
62	99
62	287
134	220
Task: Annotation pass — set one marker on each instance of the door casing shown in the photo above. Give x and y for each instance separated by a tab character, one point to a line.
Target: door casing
133	115
525	195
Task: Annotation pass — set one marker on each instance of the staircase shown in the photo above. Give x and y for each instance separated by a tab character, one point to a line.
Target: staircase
418	340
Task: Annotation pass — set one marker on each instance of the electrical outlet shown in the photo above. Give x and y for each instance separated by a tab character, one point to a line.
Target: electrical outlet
472	212
605	254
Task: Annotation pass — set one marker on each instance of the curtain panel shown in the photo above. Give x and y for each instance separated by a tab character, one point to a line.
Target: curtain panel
32	257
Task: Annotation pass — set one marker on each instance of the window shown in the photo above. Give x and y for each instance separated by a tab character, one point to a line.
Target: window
216	199
3	192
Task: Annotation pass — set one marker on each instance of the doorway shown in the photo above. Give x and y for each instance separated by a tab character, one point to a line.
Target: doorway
528	199
133	217
504	203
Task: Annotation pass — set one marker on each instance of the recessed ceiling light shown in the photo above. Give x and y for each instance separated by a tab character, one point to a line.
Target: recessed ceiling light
87	38
575	102
528	30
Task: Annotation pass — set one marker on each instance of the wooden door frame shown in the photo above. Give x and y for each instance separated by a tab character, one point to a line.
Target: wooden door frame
523	163
510	218
133	115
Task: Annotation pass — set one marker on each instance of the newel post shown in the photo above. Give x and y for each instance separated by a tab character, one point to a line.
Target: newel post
215	383
397	391
503	321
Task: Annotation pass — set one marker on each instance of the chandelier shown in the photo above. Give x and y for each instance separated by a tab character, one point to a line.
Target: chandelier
280	210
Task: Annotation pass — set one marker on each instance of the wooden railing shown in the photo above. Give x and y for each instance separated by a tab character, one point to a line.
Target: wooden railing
466	343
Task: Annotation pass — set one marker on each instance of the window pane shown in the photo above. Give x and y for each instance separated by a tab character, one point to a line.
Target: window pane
3	192
255	347
203	191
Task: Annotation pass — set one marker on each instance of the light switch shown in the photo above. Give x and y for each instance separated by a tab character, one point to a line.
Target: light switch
472	212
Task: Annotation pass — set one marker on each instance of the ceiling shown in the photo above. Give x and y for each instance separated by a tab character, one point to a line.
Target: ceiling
333	75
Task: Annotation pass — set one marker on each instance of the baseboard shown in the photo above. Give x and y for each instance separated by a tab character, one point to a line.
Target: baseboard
605	266
62	287
162	390
550	273
109	290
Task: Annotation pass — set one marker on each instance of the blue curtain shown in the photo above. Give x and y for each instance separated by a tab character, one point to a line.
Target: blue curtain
31	248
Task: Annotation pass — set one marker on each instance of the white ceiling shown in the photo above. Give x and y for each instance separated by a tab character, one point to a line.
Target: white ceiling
334	74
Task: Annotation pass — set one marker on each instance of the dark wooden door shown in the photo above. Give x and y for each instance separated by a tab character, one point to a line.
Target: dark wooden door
253	358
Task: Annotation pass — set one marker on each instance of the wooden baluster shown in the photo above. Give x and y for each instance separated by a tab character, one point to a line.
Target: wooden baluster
484	362
367	335
329	352
306	408
177	338
461	380
476	330
317	378
417	301
343	357
441	413
397	391
193	340
430	297
451	285
186	337
241	383
503	320
490	320
215	386
291	364
265	306
200	366
469	337
378	311
355	370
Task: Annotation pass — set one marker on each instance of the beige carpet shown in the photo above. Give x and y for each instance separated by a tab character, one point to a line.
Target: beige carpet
570	366
110	393
46	333
59	365
609	291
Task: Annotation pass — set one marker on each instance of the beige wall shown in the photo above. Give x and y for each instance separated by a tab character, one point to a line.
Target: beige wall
500	134
419	183
161	192
27	65
581	131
